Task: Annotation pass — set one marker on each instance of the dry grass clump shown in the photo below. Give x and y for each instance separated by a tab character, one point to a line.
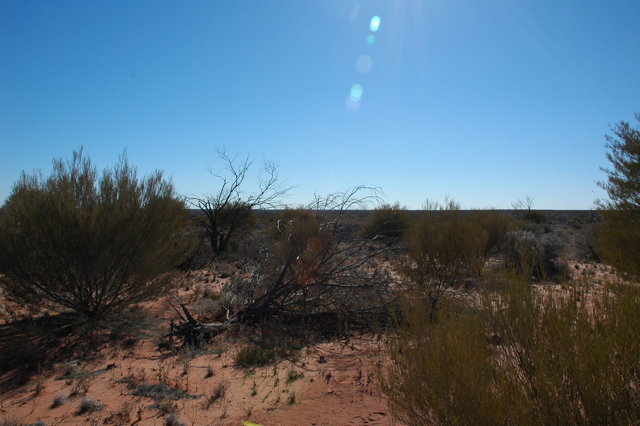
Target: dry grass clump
173	420
89	405
58	401
216	394
253	355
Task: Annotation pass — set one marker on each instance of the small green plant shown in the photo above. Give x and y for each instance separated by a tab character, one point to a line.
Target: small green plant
292	398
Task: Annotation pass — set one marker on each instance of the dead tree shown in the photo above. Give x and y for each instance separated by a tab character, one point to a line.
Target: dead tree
316	267
226	212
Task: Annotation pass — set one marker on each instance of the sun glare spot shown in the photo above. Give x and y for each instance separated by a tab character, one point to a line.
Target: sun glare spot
353	101
371	38
364	64
356	93
375	23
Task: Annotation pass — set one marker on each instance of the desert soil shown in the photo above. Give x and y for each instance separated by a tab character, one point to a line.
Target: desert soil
329	381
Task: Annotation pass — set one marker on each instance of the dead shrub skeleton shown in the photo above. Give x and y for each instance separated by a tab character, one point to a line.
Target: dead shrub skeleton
317	267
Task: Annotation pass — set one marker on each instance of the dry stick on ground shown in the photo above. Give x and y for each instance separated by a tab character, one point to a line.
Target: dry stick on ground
316	268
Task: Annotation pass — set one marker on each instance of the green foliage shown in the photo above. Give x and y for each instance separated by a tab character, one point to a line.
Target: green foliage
496	224
90	244
520	356
618	237
534	216
387	221
532	254
445	245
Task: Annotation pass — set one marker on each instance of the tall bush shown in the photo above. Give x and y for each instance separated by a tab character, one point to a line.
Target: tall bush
387	221
618	237
89	244
445	245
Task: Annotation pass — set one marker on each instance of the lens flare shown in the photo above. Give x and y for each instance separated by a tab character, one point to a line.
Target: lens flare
352	106
356	93
370	39
364	64
375	23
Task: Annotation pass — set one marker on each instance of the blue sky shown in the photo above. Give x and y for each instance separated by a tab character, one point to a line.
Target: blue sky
482	100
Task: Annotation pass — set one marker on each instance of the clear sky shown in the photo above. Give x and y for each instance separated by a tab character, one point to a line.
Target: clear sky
482	100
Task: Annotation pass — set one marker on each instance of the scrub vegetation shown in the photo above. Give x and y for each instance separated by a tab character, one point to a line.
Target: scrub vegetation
482	322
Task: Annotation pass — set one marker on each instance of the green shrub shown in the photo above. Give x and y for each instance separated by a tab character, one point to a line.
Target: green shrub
521	356
618	237
534	216
496	224
445	246
387	221
75	241
533	254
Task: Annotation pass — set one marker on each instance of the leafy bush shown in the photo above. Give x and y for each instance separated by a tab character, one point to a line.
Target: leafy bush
519	357
534	216
75	241
387	221
496	224
533	254
618	237
444	246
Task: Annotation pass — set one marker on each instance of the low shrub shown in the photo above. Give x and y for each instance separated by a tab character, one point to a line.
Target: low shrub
534	216
496	225
253	355
533	254
387	222
173	420
88	405
445	246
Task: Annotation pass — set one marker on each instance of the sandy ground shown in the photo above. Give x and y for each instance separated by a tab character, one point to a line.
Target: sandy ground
328	382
